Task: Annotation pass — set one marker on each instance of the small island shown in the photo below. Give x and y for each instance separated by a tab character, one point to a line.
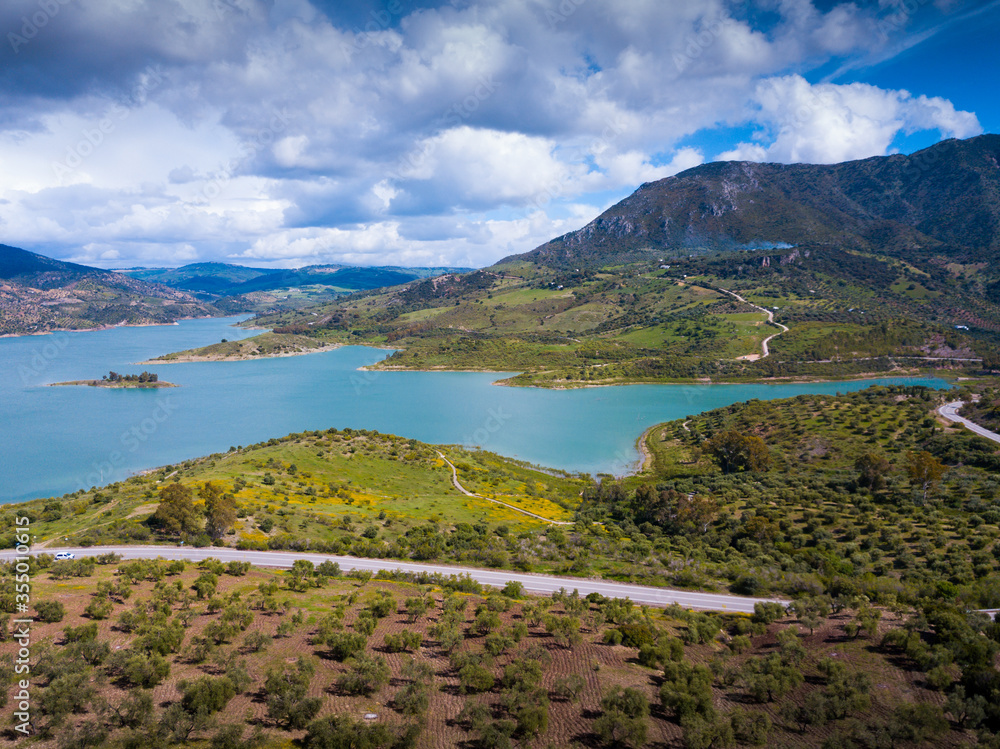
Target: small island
123	381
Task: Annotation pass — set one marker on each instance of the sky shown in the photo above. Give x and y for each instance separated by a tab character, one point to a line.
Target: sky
283	133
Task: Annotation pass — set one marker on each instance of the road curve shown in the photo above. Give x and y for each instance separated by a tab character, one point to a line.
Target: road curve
466	492
542	584
950	412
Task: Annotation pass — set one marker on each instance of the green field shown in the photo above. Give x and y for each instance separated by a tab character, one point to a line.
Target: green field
848	313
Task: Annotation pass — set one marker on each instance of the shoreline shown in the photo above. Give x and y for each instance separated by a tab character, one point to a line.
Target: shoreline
624	383
115	386
52	331
645	455
196	359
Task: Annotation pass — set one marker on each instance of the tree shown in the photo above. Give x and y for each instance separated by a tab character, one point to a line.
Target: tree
624	719
711	732
176	513
697	509
413	699
133	711
416	608
771	678
206	695
737	452
810	611
220	509
474	677
924	470
750	727
686	689
569	688
50	611
342	732
145	670
367	674
872	469
231	737
286	695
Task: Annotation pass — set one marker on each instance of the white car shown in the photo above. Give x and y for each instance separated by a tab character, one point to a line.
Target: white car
65	555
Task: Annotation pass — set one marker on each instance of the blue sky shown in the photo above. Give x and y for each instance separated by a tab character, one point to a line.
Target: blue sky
409	132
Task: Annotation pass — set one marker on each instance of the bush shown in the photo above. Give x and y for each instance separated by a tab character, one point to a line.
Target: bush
612	637
50	611
367	674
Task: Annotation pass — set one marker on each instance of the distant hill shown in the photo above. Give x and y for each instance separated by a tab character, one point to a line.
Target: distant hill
41	271
39	293
216	278
232	280
942	200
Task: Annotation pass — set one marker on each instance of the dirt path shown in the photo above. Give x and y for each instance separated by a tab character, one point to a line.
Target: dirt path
466	492
770	318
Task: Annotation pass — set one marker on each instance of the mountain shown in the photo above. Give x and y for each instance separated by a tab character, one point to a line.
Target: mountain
233	280
943	200
729	271
215	278
39	293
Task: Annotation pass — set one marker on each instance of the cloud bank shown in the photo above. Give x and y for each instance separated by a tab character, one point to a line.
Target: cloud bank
159	132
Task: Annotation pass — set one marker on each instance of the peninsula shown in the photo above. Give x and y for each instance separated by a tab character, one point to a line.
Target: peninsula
265	345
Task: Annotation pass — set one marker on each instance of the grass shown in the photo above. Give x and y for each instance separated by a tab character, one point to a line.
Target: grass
319	487
843	310
266	344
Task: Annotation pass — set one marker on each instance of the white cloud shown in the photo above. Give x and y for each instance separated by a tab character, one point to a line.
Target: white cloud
270	132
828	123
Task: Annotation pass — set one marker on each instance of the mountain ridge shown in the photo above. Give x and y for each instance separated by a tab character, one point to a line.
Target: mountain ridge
39	294
896	204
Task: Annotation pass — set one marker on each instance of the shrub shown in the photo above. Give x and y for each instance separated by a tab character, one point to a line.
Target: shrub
50	611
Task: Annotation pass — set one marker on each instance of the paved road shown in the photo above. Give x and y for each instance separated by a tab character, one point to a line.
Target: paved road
544	584
466	492
950	412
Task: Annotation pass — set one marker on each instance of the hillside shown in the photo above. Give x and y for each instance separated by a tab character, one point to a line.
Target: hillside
883	564
264	345
803	519
943	200
880	265
233	280
39	293
156	654
214	278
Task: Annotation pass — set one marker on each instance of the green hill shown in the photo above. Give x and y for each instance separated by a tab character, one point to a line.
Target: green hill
879	265
233	280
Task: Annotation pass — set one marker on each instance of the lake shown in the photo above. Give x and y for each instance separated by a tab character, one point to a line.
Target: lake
58	440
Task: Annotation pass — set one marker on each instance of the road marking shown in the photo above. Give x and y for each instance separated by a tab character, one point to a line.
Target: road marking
544	584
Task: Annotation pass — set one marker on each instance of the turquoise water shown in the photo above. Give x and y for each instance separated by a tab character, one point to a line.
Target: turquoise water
57	440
